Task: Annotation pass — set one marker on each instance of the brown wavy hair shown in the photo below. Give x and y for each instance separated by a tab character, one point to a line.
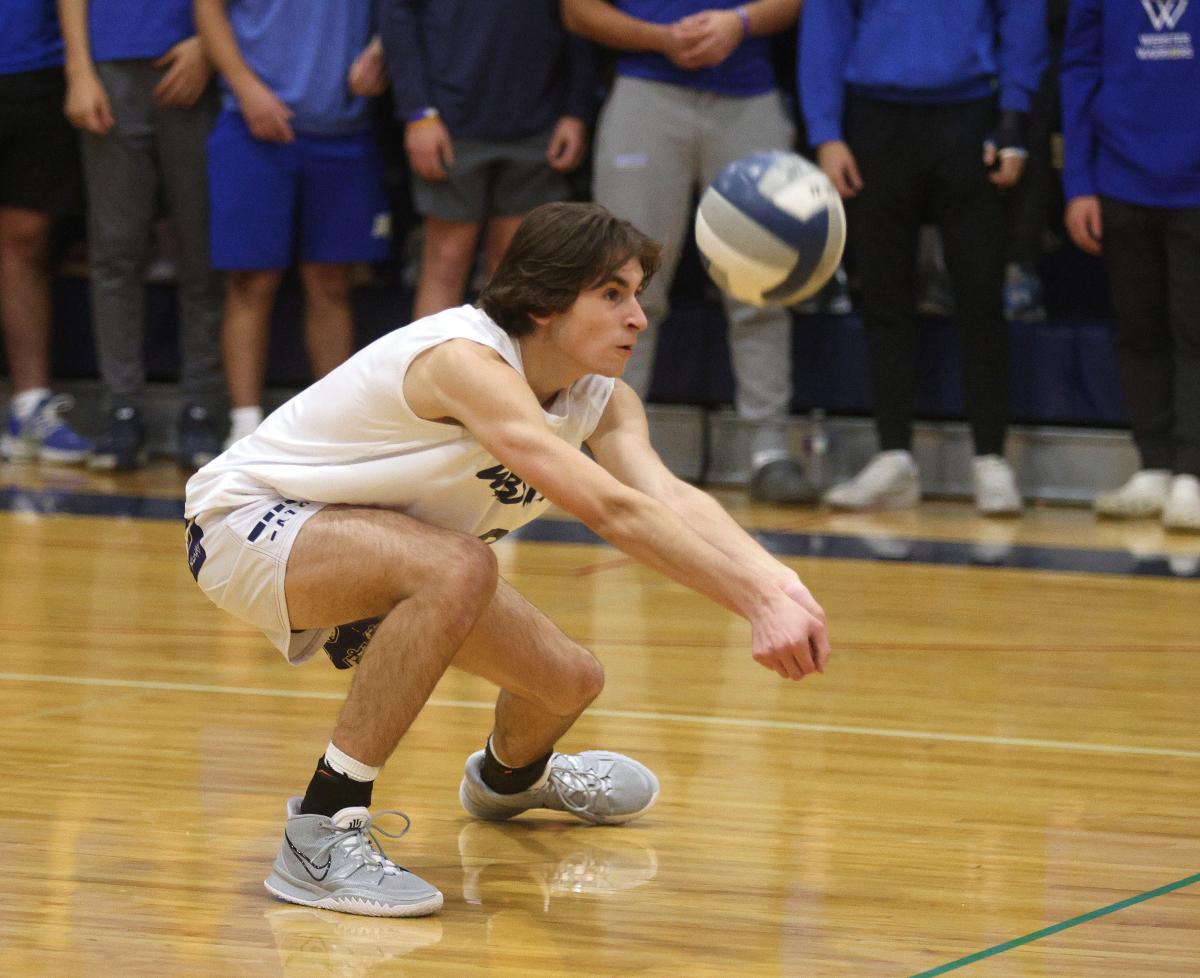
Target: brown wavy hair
559	251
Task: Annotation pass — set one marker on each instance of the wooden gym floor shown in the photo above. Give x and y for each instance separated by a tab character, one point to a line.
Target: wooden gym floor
998	776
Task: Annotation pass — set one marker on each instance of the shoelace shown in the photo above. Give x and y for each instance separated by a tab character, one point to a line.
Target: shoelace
49	414
570	784
361	841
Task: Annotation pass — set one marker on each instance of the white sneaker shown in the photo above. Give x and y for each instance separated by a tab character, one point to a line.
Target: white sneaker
889	481
1182	509
1143	496
995	486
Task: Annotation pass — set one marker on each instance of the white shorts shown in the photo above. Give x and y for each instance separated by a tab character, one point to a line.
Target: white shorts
239	558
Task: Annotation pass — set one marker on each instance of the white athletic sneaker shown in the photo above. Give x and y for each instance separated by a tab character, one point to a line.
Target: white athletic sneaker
597	786
889	481
1143	496
995	486
338	864
1182	509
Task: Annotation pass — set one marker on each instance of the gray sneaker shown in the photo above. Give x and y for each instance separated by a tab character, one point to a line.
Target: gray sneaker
338	864
597	786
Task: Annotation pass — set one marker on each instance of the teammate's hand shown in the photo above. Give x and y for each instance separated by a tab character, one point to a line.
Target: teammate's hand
188	74
1005	149
368	74
837	160
706	39
1085	224
568	143
265	113
87	105
790	637
430	148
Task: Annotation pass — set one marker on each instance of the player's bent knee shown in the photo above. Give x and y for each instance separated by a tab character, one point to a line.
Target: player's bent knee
471	573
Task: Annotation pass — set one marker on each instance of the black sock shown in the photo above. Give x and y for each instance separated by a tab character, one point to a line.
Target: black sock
509	780
329	792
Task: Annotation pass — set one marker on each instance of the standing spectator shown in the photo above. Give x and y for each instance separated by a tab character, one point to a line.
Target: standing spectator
695	91
292	164
1131	124
495	100
1030	207
39	181
138	86
910	112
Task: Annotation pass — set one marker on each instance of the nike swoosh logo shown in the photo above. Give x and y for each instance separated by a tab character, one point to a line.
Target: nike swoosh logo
307	863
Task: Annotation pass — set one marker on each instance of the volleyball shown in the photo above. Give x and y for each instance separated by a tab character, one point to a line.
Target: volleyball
771	229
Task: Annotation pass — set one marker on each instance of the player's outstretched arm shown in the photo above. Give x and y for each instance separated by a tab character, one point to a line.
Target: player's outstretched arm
621	445
474	386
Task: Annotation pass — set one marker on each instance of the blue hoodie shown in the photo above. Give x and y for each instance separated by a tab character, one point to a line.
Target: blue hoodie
1131	101
930	51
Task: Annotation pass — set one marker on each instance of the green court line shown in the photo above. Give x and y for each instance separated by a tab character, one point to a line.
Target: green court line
1047	931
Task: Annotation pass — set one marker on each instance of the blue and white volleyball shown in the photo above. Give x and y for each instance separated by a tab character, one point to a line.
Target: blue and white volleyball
771	229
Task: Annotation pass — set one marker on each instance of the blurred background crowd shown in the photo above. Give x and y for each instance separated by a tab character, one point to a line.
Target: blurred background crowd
232	194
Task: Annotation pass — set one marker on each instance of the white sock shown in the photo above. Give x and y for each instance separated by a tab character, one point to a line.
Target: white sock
343	763
246	417
24	403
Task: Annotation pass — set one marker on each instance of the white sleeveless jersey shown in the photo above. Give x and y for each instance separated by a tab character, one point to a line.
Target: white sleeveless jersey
352	438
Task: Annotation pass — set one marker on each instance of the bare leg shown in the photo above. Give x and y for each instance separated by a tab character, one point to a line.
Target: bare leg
446	258
328	317
443	605
245	332
546	679
25	296
498	237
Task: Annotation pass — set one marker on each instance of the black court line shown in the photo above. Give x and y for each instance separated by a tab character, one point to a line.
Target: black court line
952	553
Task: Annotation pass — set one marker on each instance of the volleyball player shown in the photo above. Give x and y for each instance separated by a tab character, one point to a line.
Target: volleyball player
371	498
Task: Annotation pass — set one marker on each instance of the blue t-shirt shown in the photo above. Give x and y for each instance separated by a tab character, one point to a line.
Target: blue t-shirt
303	51
119	29
747	71
29	36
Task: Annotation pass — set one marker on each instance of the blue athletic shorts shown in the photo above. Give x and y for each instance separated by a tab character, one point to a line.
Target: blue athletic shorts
319	199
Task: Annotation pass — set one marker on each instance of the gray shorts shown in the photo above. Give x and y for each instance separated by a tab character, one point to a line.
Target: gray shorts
492	179
239	558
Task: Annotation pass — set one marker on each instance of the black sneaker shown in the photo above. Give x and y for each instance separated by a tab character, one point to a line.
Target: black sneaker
122	447
199	442
783	480
346	643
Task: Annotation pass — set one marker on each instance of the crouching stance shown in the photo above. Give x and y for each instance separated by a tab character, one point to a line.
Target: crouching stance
356	520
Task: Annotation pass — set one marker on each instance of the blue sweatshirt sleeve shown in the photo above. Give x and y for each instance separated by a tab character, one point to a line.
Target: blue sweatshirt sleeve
1080	81
1022	51
826	34
403	48
583	79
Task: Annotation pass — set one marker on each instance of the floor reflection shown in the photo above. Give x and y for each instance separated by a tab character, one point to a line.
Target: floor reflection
552	860
324	944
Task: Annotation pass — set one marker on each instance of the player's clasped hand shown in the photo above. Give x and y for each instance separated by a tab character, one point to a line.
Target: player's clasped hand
790	636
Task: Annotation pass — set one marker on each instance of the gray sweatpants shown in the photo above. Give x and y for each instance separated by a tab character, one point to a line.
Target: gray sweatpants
656	146
150	146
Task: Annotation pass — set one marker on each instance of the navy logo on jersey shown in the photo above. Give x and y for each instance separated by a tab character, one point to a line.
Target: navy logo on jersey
195	549
506	487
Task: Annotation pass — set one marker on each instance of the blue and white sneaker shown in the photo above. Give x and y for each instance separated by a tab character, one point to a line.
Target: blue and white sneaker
44	436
